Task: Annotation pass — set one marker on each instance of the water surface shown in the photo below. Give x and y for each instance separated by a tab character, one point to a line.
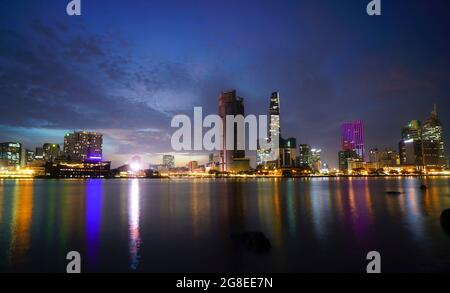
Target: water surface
184	225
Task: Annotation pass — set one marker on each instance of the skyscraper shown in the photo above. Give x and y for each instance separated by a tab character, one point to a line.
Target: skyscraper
230	104
83	146
29	156
411	147
263	153
433	142
344	157
51	151
274	119
304	156
316	161
352	136
10	154
288	152
413	130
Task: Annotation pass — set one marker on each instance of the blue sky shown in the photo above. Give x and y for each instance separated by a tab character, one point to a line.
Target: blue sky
126	67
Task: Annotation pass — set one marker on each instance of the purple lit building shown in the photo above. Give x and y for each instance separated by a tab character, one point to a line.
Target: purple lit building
352	135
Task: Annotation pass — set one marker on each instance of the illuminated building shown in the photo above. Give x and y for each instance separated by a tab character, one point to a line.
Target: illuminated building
230	104
345	157
411	152
39	154
51	152
29	157
304	156
10	154
169	161
274	119
78	169
192	165
83	146
263	154
239	165
384	158
352	136
413	130
316	162
433	142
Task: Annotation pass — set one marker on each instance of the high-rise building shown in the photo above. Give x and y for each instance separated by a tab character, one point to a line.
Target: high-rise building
316	161
51	151
263	154
29	156
230	104
411	152
304	156
413	130
384	158
352	136
433	142
83	146
410	147
345	157
39	154
10	154
288	152
274	119
169	161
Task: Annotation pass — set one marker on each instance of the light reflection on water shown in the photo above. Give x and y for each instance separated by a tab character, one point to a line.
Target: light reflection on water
314	224
133	223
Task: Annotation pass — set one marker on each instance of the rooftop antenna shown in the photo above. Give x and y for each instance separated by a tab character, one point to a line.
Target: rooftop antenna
434	113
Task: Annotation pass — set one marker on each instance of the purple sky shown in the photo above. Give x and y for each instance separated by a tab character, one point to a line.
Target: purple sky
125	68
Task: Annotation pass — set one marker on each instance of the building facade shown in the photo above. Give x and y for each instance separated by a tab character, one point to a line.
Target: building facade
352	138
344	157
230	104
51	151
288	153
304	156
83	146
10	154
433	142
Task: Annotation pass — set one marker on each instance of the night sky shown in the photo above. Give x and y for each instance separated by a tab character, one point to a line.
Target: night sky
124	68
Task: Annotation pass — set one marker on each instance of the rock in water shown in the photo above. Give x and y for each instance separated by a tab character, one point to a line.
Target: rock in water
255	241
393	192
445	219
423	187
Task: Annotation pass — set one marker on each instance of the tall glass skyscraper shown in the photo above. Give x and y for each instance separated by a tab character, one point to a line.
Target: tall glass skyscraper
274	112
263	153
352	136
433	142
230	104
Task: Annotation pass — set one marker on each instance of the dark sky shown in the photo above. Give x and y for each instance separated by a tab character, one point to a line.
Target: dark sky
126	67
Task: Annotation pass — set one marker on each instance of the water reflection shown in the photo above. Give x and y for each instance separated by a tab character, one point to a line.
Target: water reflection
2	202
133	223
308	221
94	194
291	204
22	212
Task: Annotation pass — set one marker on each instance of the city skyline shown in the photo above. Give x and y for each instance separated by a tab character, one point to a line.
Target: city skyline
421	145
125	79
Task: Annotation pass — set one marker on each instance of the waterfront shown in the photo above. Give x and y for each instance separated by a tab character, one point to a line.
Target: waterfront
185	225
